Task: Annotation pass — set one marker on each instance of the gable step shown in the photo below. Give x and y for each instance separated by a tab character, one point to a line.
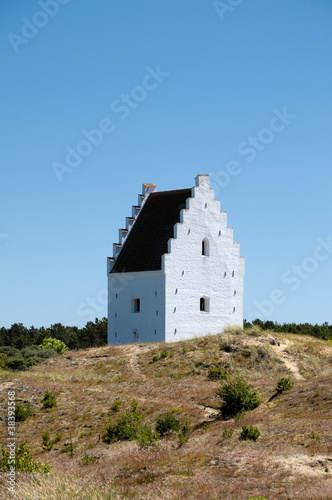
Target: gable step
135	210
129	222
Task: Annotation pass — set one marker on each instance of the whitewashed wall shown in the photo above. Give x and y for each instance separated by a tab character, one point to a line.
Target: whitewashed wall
170	299
149	287
190	275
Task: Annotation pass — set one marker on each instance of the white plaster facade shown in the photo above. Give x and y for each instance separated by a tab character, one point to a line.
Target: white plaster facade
171	299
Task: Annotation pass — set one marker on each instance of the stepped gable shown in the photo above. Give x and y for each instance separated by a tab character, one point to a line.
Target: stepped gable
154	226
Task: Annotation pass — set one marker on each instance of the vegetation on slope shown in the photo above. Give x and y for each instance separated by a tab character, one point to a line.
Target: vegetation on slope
280	449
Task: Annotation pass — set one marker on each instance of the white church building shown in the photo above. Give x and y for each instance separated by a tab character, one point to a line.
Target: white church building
176	272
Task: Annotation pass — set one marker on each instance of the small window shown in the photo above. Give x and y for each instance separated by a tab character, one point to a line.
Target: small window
234	293
205	206
204	304
188	231
155	332
225	274
233	274
233	309
175	330
155	294
219	234
116	295
136	305
115	335
115	315
156	313
176	291
135	335
205	247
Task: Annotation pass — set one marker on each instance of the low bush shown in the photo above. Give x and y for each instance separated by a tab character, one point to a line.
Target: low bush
21	412
39	352
11	352
167	423
130	426
184	434
55	344
16	364
47	443
116	405
237	396
15	359
155	358
58	437
227	433
68	447
23	460
49	400
217	373
283	384
249	433
88	460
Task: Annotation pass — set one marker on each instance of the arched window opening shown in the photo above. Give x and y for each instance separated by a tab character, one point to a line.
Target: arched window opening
135	335
136	305
205	247
204	304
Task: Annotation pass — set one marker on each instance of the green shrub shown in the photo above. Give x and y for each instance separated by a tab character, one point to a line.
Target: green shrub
167	423
155	358
16	364
88	460
217	373
23	460
10	352
283	384
21	412
49	400
39	352
237	396
249	433
126	428
33	361
47	443
130	426
227	433
146	437
116	405
313	435
184	434
55	344
163	354
68	447
3	358
58	437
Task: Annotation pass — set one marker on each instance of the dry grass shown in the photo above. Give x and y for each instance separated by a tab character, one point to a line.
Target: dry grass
291	459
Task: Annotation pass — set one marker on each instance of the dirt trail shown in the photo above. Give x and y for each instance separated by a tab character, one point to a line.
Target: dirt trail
280	349
135	351
314	466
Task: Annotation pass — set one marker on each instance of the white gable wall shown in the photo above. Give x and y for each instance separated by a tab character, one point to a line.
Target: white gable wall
149	287
190	275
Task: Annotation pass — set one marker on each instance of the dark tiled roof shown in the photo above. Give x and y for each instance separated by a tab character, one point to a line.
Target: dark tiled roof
147	240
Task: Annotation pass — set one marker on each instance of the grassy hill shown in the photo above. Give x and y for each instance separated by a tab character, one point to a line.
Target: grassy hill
291	459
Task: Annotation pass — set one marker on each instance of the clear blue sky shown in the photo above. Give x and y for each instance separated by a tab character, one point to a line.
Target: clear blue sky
177	88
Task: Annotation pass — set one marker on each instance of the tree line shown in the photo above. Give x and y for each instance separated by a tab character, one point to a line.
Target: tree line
323	331
93	334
